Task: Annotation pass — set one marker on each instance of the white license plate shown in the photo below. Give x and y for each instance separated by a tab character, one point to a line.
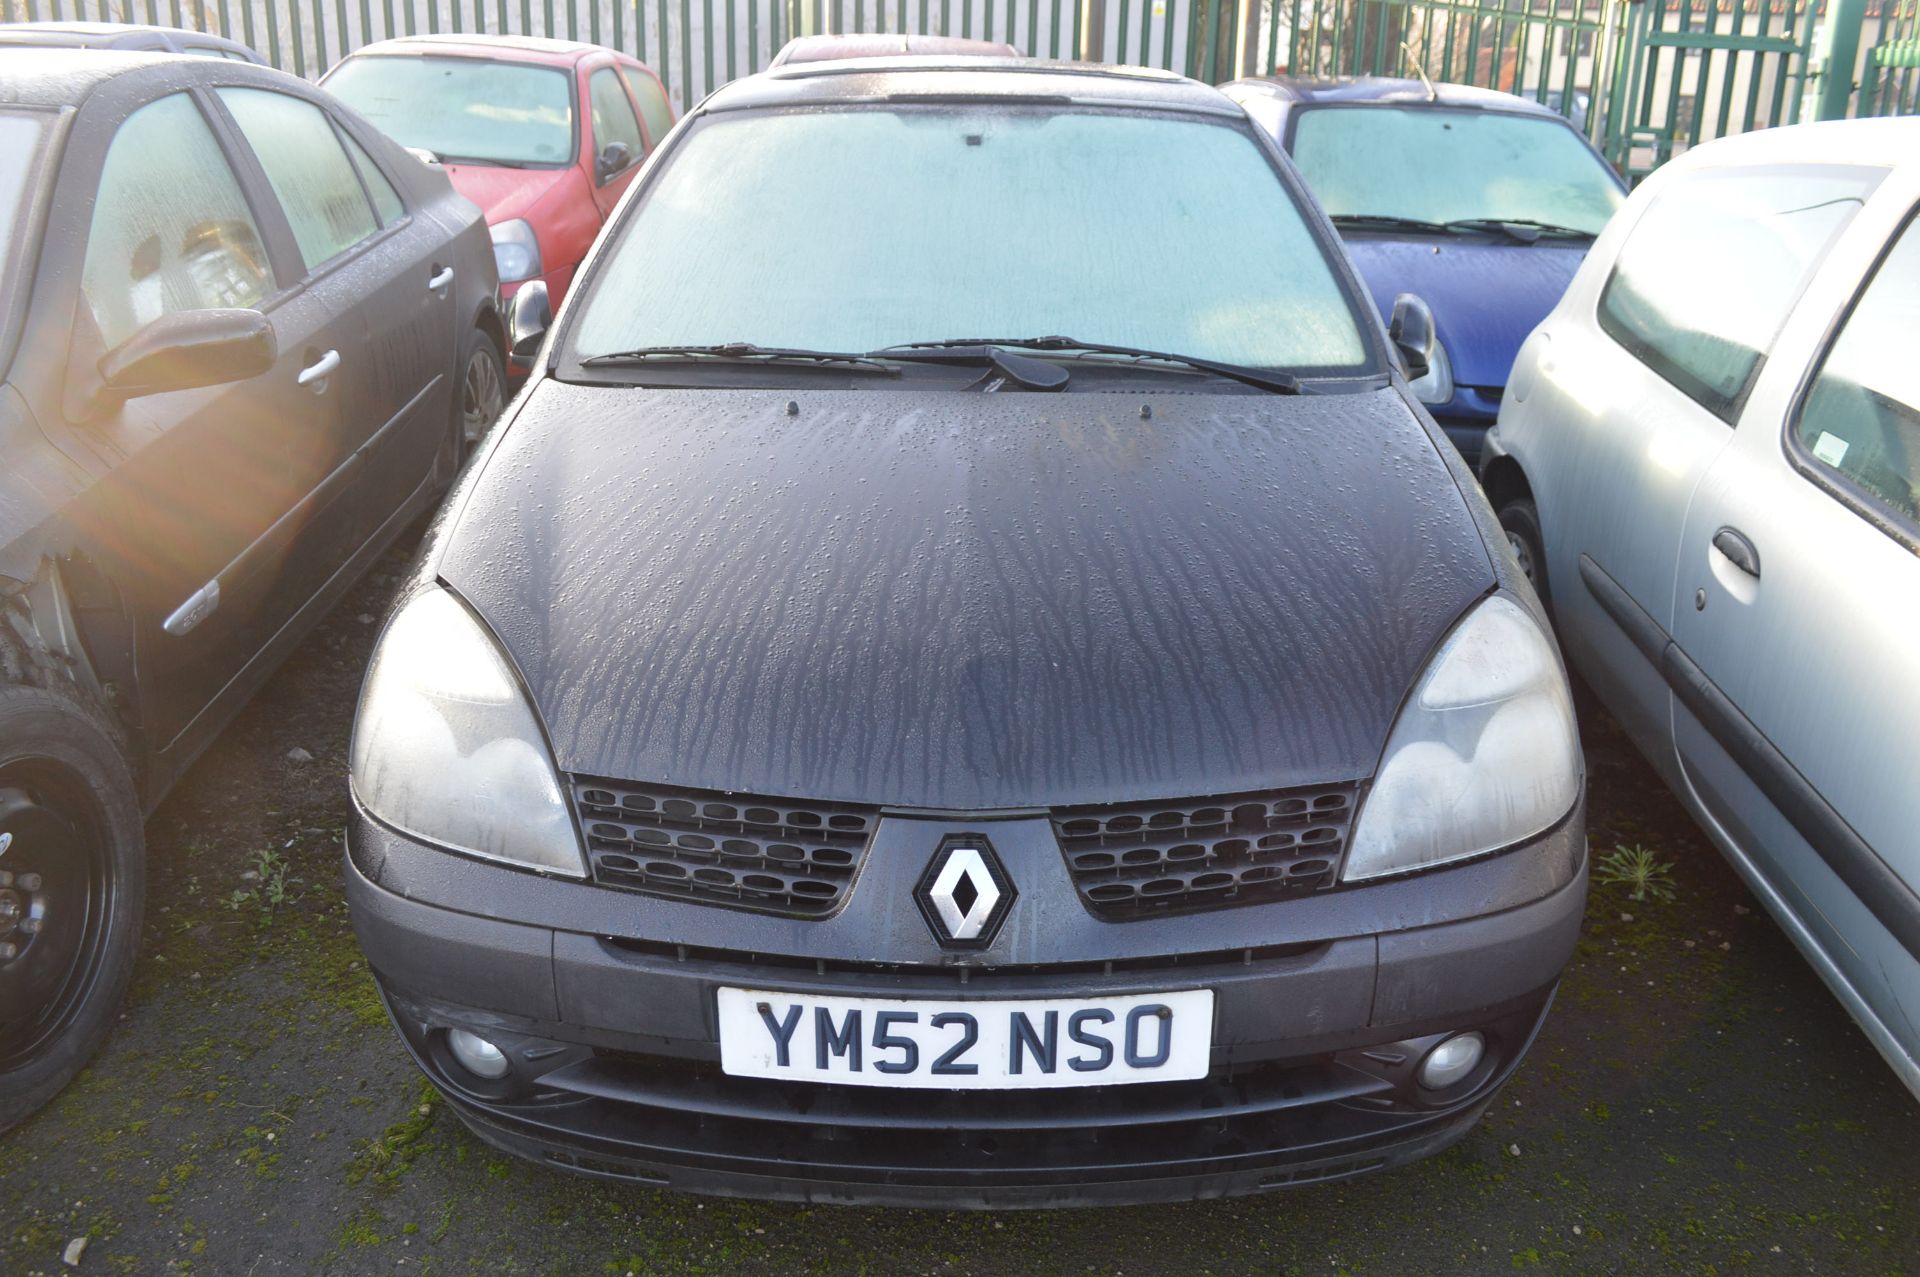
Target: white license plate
967	1046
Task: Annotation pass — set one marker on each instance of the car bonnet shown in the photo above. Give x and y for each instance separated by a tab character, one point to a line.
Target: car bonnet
965	601
1486	297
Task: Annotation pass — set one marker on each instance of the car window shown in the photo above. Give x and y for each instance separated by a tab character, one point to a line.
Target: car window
653	104
613	118
171	229
464	110
308	170
1438	165
1861	415
940	222
386	200
1711	269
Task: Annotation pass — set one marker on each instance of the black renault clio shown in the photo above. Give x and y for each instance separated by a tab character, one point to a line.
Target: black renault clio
966	678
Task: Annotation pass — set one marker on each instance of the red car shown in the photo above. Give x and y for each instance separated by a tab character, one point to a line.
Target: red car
544	135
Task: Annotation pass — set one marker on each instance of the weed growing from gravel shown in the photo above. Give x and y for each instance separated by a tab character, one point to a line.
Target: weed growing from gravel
1649	876
275	884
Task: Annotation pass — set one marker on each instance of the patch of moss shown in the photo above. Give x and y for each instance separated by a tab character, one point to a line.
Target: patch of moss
389	1157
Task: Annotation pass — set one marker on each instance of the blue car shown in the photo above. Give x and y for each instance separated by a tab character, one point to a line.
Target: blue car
1480	203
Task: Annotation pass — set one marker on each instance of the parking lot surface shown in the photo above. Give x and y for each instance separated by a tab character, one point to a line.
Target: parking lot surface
1697	1103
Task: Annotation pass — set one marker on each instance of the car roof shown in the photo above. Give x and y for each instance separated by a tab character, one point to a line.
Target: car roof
1385	89
65	77
949	79
1878	142
519	48
111	30
824	48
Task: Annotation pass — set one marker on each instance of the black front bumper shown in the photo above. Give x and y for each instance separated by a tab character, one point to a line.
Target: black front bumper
613	1037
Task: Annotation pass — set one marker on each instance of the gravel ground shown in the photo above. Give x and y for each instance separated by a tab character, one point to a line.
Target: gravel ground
1696	1104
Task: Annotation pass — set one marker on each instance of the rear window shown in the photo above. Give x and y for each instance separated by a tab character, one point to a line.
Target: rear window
1711	269
935	223
464	110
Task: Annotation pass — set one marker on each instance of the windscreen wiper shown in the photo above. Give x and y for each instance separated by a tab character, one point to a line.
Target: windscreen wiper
1524	229
1386	222
1279	383
742	352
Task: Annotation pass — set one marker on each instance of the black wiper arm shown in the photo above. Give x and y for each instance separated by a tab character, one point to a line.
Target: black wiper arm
1523	229
1385	222
1027	373
485	161
1279	383
742	352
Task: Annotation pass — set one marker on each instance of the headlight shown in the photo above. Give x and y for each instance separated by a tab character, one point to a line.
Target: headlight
1485	753
516	250
445	746
1434	387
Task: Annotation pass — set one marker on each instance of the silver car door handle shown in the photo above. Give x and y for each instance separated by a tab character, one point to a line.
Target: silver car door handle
440	282
317	370
198	607
1739	551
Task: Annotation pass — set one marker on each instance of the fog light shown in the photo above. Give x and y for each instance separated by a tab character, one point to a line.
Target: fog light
1452	1061
483	1059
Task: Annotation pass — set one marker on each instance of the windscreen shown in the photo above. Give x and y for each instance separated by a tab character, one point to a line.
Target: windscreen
464	110
857	228
1440	165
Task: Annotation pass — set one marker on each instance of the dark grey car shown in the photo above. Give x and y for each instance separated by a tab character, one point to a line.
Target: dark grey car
849	741
126	37
243	341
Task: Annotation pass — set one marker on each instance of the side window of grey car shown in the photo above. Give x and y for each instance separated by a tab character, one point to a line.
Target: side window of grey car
308	170
1860	419
171	229
1710	271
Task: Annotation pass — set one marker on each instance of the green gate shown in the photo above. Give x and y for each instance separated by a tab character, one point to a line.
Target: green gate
1699	69
1890	84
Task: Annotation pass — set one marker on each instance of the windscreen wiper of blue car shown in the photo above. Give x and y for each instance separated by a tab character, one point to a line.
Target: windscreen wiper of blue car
1267	379
1523	230
742	352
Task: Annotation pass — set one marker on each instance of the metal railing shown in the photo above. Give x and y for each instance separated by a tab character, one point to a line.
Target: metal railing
1644	78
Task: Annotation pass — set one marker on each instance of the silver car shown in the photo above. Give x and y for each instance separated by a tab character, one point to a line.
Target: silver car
1708	460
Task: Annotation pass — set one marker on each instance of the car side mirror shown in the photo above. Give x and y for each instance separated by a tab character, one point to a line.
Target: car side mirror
529	315
1411	331
614	159
189	349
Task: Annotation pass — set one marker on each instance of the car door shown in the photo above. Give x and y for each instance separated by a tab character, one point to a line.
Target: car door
390	276
1798	614
611	119
1683	322
227	507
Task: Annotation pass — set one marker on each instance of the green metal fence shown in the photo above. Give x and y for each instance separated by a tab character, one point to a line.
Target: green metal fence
1644	78
1890	84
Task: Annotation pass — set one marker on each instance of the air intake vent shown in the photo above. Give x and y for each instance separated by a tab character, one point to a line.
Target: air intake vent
764	854
1141	860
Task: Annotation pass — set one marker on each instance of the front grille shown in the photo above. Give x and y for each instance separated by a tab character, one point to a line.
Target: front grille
765	854
1139	860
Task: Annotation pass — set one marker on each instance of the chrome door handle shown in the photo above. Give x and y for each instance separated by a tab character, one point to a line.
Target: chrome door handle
315	373
1739	551
439	283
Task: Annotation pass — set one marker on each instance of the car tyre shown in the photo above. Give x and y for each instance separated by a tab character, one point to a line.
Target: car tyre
74	868
1521	522
478	398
